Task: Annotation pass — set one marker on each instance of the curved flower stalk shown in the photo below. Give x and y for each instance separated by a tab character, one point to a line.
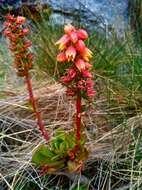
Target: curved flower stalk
16	32
78	78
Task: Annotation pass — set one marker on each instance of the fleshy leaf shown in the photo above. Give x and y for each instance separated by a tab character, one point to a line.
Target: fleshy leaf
74	166
42	155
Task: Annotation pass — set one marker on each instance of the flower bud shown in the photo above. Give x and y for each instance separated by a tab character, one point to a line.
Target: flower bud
89	83
74	37
30	56
81	84
20	20
69	28
70	92
91	92
27	43
61	57
10	18
86	74
82	34
25	31
65	79
7	32
71	73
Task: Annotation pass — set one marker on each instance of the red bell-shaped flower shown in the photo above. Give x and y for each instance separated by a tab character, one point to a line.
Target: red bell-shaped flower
82	34
86	54
80	64
63	41
80	46
70	53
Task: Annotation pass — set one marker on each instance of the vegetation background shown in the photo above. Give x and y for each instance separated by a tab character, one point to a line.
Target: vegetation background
113	121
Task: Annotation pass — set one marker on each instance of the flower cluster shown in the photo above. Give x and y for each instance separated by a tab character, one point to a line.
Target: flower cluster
78	78
16	33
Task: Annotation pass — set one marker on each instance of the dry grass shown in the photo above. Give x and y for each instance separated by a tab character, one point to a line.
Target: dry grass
19	135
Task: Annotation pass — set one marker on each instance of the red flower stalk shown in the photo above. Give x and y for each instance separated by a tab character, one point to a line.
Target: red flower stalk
16	32
78	79
78	117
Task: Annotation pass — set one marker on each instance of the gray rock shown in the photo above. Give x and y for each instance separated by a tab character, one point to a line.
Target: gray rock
102	14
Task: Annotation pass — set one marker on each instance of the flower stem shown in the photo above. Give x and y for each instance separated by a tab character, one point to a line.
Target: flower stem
78	126
78	118
35	108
